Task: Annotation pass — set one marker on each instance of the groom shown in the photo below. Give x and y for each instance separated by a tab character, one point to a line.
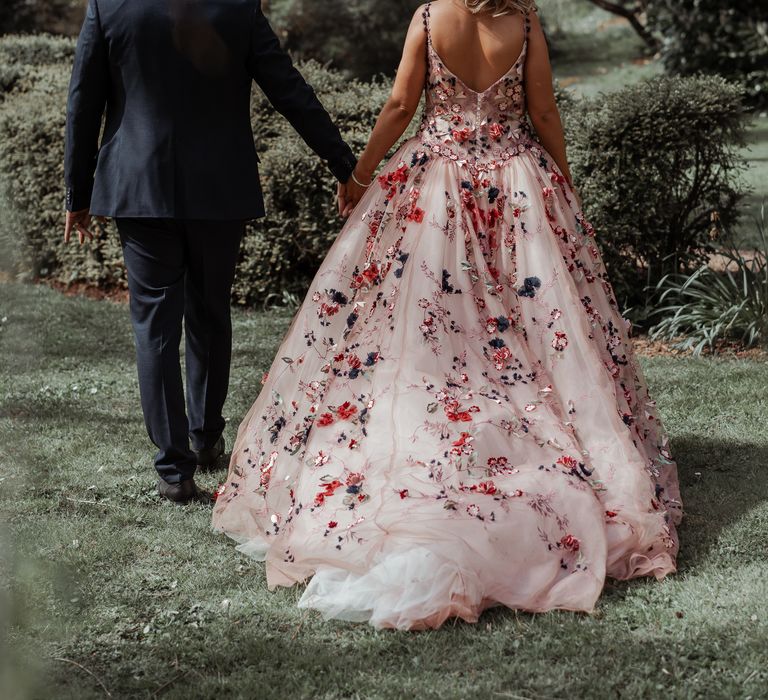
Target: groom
177	170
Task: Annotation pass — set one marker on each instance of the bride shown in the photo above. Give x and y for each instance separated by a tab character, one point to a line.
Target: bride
456	419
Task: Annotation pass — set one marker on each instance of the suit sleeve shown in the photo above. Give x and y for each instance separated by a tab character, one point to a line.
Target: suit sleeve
273	70
88	91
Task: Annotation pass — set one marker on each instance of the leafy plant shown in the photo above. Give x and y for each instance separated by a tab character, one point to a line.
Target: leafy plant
715	36
653	162
711	306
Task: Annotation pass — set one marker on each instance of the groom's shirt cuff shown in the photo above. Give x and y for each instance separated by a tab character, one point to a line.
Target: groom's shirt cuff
342	167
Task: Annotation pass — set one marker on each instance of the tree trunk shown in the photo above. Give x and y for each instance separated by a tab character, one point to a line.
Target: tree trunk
632	16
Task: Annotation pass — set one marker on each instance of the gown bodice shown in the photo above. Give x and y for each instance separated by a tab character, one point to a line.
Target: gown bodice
483	129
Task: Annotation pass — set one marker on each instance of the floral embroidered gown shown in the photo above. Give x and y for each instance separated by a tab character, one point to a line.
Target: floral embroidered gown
456	419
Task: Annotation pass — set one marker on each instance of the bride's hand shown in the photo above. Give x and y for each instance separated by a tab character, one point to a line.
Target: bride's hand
355	189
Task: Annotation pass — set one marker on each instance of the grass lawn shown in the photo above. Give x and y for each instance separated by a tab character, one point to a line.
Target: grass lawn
107	589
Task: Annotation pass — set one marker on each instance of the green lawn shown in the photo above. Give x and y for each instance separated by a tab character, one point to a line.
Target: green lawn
106	585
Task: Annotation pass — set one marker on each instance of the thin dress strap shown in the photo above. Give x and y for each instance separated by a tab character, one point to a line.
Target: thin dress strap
527	24
425	15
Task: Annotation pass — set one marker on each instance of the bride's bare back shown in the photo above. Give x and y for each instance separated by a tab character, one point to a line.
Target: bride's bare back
478	48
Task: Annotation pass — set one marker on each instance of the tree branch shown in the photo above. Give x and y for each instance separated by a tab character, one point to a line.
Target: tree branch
632	16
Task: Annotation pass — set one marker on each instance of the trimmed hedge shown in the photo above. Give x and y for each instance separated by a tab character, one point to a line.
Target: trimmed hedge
280	252
654	163
635	155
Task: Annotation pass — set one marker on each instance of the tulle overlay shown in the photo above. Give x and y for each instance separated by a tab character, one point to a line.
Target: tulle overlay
456	419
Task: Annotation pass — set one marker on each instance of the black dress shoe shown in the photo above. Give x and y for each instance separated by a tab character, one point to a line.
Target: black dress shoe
209	458
183	492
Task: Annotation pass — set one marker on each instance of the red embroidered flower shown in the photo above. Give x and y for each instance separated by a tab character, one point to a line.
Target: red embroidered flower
571	543
403	493
568	462
416	215
325	420
496	131
354	478
501	356
332	524
328	309
461	135
557	178
346	410
486	487
458	416
610	513
371	272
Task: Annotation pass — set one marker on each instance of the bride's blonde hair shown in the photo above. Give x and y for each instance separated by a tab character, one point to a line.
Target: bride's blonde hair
500	7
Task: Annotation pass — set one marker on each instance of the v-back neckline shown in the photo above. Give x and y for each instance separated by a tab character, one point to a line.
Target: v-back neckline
440	59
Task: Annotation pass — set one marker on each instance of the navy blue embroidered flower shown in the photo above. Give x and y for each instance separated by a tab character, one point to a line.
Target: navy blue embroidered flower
529	287
493	194
447	286
502	323
338	297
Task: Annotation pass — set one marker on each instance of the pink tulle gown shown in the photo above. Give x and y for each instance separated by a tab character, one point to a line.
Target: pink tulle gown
456	419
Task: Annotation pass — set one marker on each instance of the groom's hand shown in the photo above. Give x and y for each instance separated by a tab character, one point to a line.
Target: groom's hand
341	199
79	221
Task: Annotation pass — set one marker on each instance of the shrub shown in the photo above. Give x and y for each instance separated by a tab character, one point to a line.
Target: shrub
710	305
653	162
27	60
280	251
61	16
360	37
715	36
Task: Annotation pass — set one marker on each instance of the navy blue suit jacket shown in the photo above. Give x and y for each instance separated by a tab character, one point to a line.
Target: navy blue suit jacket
175	77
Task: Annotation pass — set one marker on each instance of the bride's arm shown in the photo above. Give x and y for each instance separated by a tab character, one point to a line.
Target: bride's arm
542	106
398	111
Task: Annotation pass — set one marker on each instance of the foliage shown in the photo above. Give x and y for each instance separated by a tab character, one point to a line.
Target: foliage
280	252
59	16
636	13
716	36
710	305
362	37
654	163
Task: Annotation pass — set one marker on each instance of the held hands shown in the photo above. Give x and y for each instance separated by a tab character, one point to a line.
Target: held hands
351	192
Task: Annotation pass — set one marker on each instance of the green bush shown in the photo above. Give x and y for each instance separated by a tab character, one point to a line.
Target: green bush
715	36
281	251
360	37
654	163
